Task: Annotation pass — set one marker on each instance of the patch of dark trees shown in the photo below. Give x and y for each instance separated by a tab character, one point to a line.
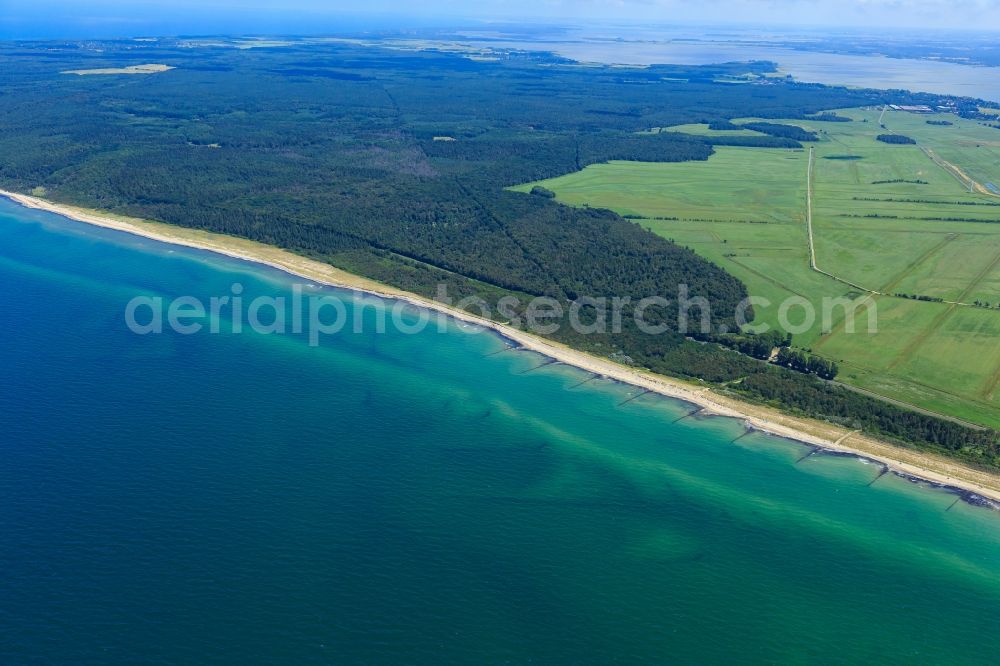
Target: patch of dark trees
928	201
919	297
783	131
830	118
809	364
895	139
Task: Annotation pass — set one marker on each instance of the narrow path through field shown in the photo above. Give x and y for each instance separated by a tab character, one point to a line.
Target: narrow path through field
916	343
994	380
956	172
845	437
889	288
809	208
964	179
991	385
809	228
841	324
915	408
812	242
766	277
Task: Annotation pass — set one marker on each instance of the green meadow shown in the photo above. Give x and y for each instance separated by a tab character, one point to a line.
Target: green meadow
702	129
922	220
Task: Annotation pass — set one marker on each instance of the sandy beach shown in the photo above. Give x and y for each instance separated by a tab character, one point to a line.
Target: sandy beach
909	463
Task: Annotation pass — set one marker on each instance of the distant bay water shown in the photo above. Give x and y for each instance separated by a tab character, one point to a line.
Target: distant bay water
393	498
863	71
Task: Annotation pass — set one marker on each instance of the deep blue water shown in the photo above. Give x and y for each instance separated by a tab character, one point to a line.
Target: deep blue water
388	498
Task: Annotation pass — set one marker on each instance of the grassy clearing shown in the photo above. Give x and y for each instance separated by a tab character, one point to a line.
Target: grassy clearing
736	185
949	271
702	129
848	253
900	323
972	146
893	218
957	350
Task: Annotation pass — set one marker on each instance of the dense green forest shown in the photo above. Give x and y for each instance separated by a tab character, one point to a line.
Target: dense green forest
781	130
392	164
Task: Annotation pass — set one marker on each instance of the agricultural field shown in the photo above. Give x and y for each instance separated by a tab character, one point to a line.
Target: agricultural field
921	220
702	129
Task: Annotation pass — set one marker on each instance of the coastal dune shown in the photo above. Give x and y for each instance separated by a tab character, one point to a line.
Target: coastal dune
975	485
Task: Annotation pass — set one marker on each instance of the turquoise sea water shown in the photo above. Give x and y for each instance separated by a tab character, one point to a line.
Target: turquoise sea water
389	498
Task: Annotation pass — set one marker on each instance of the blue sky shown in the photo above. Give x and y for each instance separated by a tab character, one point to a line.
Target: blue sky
108	17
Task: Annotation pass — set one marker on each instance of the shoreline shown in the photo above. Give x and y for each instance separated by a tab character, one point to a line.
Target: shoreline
974	486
